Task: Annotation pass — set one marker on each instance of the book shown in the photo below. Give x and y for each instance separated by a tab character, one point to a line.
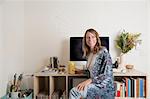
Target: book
141	87
129	87
126	84
132	87
135	88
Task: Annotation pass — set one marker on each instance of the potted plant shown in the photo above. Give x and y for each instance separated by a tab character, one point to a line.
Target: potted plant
126	41
14	89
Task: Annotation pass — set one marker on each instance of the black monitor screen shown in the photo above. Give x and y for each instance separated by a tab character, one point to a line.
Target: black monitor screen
76	53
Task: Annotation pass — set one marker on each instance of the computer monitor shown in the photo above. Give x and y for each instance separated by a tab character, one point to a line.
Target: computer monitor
76	53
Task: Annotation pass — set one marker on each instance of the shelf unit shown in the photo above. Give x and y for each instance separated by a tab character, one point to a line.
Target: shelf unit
48	83
52	82
133	81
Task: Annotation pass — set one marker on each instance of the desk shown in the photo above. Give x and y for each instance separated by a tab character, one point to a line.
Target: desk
48	82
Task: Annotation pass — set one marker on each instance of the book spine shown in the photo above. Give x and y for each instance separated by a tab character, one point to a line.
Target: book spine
129	88
141	87
126	83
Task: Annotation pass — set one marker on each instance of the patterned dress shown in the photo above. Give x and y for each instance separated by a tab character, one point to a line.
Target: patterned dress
102	86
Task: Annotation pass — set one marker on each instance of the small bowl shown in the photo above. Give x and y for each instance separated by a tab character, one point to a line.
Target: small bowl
129	66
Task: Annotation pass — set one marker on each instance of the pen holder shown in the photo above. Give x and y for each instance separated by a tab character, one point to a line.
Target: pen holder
15	95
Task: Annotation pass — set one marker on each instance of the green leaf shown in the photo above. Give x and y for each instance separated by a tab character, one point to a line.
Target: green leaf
127	41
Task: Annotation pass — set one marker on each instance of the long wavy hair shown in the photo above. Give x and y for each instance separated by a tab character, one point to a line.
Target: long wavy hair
86	48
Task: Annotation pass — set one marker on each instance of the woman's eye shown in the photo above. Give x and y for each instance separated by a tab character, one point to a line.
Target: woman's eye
93	36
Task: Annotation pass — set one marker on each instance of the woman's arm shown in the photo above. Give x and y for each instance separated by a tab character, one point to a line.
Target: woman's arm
103	71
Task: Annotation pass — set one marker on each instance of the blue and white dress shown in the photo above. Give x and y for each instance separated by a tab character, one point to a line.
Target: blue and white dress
102	86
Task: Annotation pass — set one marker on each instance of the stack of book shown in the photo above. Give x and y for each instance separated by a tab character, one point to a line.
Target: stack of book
131	87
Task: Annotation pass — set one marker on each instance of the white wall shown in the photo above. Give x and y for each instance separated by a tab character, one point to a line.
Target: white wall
1	50
148	35
148	6
34	30
49	24
12	38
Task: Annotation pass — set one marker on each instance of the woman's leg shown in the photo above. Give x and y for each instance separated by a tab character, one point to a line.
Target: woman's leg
94	92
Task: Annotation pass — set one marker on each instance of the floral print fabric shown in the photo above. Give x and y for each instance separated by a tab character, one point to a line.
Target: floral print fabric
102	86
103	77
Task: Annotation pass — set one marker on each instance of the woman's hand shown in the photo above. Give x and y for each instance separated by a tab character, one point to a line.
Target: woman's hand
83	84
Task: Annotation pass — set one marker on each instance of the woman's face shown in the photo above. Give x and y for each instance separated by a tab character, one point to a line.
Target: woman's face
90	40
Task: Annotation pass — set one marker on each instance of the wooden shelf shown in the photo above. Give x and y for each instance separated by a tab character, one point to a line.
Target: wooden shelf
129	73
52	77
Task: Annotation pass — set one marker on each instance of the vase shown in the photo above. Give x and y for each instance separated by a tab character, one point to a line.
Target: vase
122	62
126	59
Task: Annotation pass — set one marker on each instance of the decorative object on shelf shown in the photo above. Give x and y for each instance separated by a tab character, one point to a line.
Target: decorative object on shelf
16	89
129	67
71	67
116	63
54	62
126	41
62	69
13	88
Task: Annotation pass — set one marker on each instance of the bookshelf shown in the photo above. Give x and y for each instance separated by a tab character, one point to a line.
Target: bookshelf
132	84
46	84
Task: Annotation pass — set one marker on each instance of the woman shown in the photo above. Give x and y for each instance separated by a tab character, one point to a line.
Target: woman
100	84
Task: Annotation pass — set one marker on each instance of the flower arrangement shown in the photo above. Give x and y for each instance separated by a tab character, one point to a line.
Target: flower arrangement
126	41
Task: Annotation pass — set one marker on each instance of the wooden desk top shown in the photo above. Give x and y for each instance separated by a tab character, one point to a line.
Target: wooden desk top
128	73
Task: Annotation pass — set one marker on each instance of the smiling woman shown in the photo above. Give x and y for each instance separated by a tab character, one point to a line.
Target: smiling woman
100	84
91	40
